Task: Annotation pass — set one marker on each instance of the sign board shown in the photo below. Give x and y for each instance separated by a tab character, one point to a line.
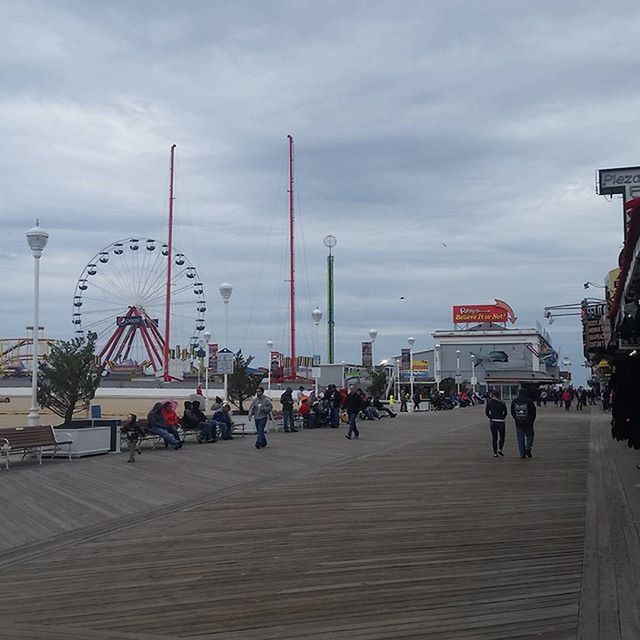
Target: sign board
595	333
405	359
276	366
315	372
315	360
225	361
421	365
213	356
367	355
135	321
479	313
624	181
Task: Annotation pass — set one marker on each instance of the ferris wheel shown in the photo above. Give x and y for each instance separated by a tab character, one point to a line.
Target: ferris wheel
121	296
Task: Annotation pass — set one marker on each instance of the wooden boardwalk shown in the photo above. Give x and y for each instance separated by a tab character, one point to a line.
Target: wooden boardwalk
414	531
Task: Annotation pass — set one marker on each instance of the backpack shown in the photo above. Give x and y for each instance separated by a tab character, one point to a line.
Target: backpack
521	410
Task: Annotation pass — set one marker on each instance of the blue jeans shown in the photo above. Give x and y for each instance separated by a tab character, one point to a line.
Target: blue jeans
525	440
166	435
261	423
225	429
287	419
497	435
208	430
335	417
352	425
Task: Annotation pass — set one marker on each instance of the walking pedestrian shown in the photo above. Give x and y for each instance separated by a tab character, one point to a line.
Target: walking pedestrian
523	410
286	400
496	411
416	400
134	433
353	406
567	398
333	399
404	398
260	410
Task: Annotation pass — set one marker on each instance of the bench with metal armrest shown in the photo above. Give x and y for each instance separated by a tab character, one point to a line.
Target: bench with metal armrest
30	441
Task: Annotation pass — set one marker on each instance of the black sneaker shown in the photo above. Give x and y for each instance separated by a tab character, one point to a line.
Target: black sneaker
495	455
500	453
348	437
523	457
529	454
257	446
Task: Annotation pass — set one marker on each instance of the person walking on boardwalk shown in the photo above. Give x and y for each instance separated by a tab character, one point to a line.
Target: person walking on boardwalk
523	410
567	398
134	433
496	411
332	396
286	399
260	410
353	406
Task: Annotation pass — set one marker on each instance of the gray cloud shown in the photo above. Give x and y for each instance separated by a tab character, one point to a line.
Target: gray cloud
479	126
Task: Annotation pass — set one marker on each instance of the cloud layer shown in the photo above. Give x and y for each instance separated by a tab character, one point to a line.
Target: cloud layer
450	147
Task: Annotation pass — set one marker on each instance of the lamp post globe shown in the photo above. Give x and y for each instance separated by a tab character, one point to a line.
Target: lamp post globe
207	336
373	334
37	240
411	341
316	315
226	289
270	344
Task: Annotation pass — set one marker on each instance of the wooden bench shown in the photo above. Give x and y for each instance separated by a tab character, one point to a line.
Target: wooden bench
154	439
29	440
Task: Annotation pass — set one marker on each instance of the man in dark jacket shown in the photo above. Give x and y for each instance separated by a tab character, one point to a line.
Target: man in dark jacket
286	400
523	410
353	406
496	411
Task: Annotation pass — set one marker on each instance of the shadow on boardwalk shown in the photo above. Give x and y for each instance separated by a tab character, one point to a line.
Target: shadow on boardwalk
415	531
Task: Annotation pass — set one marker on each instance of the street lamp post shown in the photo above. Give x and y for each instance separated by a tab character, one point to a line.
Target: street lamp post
437	374
37	239
474	380
226	289
207	339
373	334
316	316
411	342
270	348
397	363
458	369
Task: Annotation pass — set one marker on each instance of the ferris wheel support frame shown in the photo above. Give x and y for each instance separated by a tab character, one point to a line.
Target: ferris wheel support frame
149	333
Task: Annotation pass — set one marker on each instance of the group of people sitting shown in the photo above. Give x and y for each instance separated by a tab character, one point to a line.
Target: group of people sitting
327	409
163	421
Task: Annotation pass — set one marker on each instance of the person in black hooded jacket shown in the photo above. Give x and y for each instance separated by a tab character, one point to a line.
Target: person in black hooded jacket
496	411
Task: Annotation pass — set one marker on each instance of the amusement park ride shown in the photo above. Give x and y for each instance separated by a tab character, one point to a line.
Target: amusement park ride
130	284
126	288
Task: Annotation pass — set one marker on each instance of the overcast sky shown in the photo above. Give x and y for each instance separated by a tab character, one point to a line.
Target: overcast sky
475	125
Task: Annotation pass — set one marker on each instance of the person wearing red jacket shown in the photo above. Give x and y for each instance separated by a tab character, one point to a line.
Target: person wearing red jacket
171	419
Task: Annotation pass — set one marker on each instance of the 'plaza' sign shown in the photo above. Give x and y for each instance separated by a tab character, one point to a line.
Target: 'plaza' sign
624	181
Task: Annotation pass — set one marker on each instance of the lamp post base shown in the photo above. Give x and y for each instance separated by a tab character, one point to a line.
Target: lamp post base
33	419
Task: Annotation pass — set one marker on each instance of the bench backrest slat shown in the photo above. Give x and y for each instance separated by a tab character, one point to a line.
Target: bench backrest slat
18	437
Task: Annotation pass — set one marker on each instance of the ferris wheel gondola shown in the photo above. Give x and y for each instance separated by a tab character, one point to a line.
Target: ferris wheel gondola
121	294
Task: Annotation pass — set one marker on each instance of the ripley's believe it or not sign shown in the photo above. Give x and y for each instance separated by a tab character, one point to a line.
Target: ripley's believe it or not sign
498	312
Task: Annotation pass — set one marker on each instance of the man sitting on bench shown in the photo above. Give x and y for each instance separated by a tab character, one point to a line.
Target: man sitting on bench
194	418
221	417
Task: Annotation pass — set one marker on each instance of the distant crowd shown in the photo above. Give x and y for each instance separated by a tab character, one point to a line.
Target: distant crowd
330	407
